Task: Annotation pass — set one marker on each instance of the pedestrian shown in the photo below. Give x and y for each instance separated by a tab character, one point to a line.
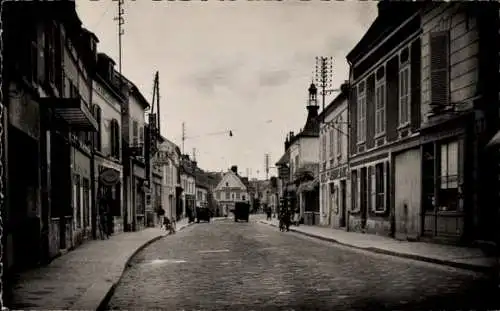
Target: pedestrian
161	216
103	211
268	212
296	218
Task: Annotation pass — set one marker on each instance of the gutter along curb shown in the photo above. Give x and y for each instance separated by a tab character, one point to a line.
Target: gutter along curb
444	262
104	289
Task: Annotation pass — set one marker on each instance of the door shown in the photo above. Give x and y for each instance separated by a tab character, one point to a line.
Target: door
407	194
61	191
23	216
343	208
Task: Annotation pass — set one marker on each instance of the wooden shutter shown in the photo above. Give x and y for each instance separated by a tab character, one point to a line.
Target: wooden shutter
387	184
439	66
42	42
372	194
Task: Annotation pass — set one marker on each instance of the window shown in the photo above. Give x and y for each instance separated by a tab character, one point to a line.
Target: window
115	139
296	163
243	197
380	107
339	137
379	187
237	196
50	52
323	148
97	135
331	143
404	96
135	133
439	67
448	194
228	195
217	194
361	124
355	190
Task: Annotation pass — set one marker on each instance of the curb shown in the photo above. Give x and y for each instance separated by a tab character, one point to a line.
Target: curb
443	262
107	297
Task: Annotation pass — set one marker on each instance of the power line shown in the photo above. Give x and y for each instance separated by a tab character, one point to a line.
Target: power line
101	18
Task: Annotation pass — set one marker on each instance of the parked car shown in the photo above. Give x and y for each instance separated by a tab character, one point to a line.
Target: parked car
203	213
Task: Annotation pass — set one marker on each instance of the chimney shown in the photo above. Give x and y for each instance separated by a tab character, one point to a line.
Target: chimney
234	168
287	143
312	111
291	135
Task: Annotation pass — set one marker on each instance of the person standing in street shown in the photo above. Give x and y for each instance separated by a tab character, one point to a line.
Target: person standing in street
161	216
103	214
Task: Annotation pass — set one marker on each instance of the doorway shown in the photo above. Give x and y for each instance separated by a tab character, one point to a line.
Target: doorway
343	208
24	214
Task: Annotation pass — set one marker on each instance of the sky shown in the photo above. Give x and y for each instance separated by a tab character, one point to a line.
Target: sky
243	66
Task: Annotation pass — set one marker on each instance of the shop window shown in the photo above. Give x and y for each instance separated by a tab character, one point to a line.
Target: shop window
448	179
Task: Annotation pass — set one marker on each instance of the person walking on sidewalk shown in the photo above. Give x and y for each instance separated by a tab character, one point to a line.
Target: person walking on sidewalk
268	212
103	215
161	216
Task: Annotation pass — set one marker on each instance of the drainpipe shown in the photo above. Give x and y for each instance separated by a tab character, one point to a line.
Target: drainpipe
93	210
349	97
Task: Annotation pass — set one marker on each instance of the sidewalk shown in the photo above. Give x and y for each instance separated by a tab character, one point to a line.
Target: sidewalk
455	256
84	277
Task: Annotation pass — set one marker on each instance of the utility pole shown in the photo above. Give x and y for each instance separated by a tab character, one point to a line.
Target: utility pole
183	136
266	159
323	76
121	31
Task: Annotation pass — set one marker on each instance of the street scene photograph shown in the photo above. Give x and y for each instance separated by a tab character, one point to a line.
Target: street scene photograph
249	155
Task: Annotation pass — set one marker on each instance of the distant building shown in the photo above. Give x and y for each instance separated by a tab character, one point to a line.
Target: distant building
231	189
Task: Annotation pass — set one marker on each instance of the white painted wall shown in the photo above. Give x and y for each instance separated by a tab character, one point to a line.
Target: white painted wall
110	109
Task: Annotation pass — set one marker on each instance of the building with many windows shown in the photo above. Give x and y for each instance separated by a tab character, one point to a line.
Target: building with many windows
423	105
230	190
334	184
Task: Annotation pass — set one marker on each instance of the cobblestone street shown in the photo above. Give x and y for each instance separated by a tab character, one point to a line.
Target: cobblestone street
246	266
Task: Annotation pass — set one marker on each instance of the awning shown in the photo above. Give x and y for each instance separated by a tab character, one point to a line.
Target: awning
74	112
495	141
308	185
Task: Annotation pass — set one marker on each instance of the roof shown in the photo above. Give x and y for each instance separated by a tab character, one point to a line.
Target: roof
285	158
337	101
390	15
135	90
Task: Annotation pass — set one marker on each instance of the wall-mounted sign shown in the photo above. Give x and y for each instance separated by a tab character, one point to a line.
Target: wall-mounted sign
109	177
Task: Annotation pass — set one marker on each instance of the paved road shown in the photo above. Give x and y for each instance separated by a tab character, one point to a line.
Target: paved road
249	266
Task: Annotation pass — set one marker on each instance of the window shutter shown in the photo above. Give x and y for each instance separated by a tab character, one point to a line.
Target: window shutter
439	66
373	188
42	42
387	179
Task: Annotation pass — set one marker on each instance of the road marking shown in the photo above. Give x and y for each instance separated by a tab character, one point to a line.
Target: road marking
214	251
160	261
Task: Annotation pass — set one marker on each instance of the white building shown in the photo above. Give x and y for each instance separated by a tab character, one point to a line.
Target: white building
230	190
188	184
333	150
169	160
303	164
107	100
133	123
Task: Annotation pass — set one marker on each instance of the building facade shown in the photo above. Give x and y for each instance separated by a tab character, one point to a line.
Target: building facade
424	104
303	150
230	190
107	100
168	159
48	85
201	196
188	184
133	155
334	185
